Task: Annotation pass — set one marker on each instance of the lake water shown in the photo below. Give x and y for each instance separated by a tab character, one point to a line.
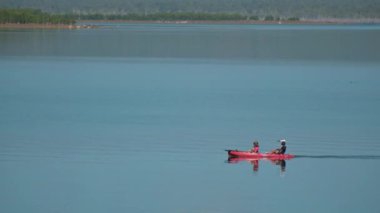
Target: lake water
136	118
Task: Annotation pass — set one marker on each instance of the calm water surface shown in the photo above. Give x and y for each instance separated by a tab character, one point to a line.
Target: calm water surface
136	118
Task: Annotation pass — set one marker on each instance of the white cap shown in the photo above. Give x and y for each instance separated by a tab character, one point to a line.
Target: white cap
282	140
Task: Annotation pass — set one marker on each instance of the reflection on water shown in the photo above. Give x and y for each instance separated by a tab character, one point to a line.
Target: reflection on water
204	42
282	163
255	163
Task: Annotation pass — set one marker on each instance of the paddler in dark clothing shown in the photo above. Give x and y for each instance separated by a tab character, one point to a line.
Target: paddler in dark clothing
282	149
255	147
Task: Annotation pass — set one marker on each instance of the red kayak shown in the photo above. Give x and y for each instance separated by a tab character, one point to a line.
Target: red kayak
252	155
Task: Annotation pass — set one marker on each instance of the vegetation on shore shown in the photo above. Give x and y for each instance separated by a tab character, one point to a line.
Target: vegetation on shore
32	16
178	16
10	18
306	9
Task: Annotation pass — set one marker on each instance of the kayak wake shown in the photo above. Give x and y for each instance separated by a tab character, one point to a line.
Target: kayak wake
360	157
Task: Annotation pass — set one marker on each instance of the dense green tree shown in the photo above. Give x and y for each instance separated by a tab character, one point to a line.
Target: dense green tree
25	16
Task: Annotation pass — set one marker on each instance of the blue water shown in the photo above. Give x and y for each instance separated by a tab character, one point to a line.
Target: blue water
136	118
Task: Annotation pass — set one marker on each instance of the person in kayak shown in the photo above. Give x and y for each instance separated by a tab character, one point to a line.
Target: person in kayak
282	149
255	147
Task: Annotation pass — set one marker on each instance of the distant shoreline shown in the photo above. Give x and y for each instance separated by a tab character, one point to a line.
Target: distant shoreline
37	19
247	22
263	22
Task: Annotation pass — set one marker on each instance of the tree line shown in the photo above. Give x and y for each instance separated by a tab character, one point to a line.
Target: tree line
178	16
261	8
28	16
